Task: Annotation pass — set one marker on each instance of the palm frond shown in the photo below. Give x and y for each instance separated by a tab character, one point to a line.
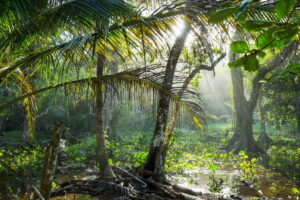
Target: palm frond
28	103
118	38
74	13
125	81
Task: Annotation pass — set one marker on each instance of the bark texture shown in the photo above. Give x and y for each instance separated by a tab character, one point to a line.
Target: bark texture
101	153
243	131
263	137
113	112
154	162
298	105
50	162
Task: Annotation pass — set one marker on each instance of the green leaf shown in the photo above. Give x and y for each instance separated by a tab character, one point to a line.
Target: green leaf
212	167
239	47
295	191
261	54
284	74
238	63
53	184
256	25
265	39
288	31
277	38
283	7
294	68
251	63
222	15
283	41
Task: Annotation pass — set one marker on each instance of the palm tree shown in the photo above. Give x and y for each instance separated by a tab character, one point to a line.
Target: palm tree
154	161
122	28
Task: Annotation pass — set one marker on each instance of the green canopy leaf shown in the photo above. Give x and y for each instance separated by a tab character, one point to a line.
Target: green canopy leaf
264	39
222	15
294	68
261	54
251	63
284	38
238	63
283	7
239	47
256	25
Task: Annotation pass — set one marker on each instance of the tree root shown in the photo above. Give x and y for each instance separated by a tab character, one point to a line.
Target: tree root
250	146
128	186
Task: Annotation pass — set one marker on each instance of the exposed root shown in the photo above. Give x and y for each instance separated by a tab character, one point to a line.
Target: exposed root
246	144
128	186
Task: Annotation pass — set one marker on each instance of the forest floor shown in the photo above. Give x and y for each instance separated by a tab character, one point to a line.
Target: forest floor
196	161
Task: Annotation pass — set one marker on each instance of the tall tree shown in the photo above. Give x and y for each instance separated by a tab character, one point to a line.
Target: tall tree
102	158
171	125
154	162
243	131
297	104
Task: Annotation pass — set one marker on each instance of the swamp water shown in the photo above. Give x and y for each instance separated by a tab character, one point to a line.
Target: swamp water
269	185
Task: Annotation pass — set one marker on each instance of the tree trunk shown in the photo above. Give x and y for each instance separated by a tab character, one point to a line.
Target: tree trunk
169	134
113	111
171	125
50	162
263	137
154	161
298	106
243	132
29	121
102	158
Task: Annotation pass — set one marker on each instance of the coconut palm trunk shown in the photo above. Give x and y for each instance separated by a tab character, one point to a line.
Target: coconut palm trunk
154	161
171	125
102	158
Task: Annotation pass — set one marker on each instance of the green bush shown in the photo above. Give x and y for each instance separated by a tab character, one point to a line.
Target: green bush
286	160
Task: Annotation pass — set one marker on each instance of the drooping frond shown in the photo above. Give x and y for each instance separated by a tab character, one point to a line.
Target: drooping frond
28	103
124	81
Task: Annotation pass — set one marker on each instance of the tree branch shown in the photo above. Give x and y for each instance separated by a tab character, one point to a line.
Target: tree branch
196	70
